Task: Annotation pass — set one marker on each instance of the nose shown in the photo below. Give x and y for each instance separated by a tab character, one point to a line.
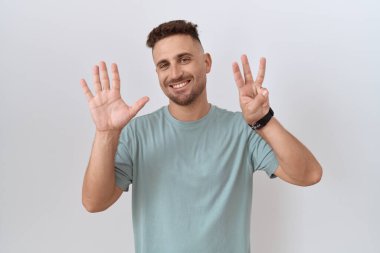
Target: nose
175	72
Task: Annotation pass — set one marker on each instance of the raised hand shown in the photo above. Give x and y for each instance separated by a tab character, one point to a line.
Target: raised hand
254	99
108	110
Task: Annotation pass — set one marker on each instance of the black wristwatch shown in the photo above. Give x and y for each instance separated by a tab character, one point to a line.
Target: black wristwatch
263	121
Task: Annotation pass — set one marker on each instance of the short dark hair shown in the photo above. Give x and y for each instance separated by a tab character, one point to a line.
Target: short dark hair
172	28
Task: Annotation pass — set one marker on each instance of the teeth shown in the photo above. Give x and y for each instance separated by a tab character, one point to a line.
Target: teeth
180	85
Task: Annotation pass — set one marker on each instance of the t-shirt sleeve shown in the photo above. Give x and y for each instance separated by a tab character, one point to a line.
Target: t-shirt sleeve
123	162
262	155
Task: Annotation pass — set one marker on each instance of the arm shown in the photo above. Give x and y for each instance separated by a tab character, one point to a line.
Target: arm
110	114
99	189
297	165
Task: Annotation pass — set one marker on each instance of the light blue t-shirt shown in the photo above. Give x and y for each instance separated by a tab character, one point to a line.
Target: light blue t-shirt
192	181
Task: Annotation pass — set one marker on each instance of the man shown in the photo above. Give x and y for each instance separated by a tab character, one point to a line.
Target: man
190	163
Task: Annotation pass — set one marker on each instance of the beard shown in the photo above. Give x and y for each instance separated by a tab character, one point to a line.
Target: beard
186	99
183	99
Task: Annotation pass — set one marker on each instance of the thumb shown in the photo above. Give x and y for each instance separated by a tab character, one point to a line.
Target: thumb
264	92
261	98
138	105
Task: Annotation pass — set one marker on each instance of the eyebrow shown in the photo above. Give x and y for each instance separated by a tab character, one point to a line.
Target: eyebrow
183	54
178	56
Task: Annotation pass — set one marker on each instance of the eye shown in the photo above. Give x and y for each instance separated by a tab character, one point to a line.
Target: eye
163	66
184	60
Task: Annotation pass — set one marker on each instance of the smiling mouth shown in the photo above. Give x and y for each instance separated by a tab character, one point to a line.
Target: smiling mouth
179	85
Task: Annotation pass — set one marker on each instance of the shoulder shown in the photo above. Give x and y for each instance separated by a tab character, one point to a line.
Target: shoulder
230	123
228	117
236	123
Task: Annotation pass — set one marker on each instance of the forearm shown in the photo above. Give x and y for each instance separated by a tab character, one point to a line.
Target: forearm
99	180
295	159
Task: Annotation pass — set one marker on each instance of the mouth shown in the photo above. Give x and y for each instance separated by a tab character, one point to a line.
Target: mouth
179	85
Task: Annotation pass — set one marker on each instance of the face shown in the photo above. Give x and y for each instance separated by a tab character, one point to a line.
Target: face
181	66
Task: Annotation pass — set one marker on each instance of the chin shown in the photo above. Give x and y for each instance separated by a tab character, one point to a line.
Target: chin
182	102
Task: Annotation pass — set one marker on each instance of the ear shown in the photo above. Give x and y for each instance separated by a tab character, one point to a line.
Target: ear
208	62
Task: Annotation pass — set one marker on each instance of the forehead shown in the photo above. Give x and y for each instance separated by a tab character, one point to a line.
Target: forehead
174	45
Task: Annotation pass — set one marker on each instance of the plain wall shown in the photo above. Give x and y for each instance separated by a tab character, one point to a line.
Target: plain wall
323	61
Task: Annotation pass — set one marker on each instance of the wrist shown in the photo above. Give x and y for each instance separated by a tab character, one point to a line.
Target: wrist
263	121
108	134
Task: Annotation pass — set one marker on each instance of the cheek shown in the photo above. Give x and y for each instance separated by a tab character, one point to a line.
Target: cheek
202	73
161	79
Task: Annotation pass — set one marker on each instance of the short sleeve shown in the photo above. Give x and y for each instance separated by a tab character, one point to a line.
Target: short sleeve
262	156
123	162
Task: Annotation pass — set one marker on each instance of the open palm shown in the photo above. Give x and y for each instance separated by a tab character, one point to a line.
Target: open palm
108	109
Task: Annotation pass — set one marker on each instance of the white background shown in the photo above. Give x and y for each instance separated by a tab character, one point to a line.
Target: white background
323	61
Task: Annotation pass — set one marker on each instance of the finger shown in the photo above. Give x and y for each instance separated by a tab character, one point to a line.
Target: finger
96	79
104	76
247	70
248	74
265	103
261	73
86	90
115	77
237	75
259	101
263	91
265	94
256	89
136	107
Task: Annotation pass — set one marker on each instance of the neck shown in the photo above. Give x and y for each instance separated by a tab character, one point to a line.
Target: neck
192	112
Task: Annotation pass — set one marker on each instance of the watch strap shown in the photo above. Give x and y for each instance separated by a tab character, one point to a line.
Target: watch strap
263	121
